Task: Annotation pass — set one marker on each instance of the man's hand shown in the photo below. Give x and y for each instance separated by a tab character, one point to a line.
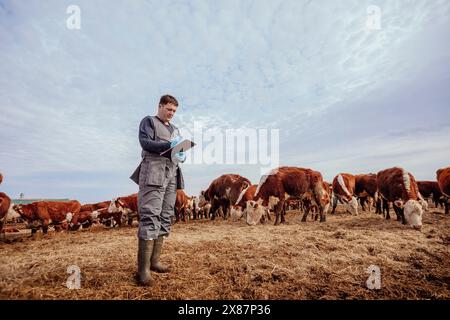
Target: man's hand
175	141
180	156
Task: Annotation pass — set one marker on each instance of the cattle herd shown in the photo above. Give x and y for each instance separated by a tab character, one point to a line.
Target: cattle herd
235	197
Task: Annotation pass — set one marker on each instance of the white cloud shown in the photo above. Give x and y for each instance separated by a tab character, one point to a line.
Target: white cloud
71	101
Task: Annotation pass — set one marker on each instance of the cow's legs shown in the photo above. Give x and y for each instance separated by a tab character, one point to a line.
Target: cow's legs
386	209
335	203
214	207
280	208
305	214
277	216
378	206
130	219
45	226
398	212
318	198
226	207
362	201
323	216
401	213
315	213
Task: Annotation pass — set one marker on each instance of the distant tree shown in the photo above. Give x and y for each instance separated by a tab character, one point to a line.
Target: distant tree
21	195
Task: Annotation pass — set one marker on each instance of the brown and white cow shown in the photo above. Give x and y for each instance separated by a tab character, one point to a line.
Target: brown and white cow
95	206
238	209
127	206
5	203
192	207
224	191
48	212
431	190
203	206
443	178
181	206
398	186
281	184
82	219
344	190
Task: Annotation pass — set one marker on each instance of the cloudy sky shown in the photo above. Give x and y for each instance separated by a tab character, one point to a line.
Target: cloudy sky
347	89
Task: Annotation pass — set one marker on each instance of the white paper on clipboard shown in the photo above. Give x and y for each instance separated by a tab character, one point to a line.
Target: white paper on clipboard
181	147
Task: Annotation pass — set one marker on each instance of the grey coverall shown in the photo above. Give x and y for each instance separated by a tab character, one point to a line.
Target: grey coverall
158	178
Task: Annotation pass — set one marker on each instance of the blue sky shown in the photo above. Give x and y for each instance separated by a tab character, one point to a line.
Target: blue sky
345	98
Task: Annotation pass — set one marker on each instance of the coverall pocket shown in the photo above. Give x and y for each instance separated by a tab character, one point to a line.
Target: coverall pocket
155	172
143	170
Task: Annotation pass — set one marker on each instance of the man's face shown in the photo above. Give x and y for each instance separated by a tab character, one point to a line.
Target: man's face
167	111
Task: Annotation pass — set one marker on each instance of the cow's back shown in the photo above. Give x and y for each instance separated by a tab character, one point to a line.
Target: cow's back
443	177
344	185
5	202
428	188
247	196
396	183
367	183
227	186
289	180
57	211
131	202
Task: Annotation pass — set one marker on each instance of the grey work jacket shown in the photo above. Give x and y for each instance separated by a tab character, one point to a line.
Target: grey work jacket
157	163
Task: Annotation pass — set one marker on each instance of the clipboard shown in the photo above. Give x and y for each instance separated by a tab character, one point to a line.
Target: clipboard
181	147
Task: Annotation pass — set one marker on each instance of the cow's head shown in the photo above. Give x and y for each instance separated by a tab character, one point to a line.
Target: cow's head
352	206
95	214
255	211
18	209
413	214
236	212
12	214
69	216
115	206
202	199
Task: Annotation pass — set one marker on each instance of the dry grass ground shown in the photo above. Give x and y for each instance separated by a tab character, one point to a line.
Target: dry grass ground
226	260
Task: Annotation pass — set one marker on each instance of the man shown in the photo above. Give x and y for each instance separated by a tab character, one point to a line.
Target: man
158	177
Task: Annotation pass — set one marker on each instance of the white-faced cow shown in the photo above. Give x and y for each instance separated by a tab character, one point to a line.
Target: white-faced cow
224	191
192	207
443	178
127	206
238	210
281	184
344	190
398	186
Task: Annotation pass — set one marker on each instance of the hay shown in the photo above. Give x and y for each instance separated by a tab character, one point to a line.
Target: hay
230	260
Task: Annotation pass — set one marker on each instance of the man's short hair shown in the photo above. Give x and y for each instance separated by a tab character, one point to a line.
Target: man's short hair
165	99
